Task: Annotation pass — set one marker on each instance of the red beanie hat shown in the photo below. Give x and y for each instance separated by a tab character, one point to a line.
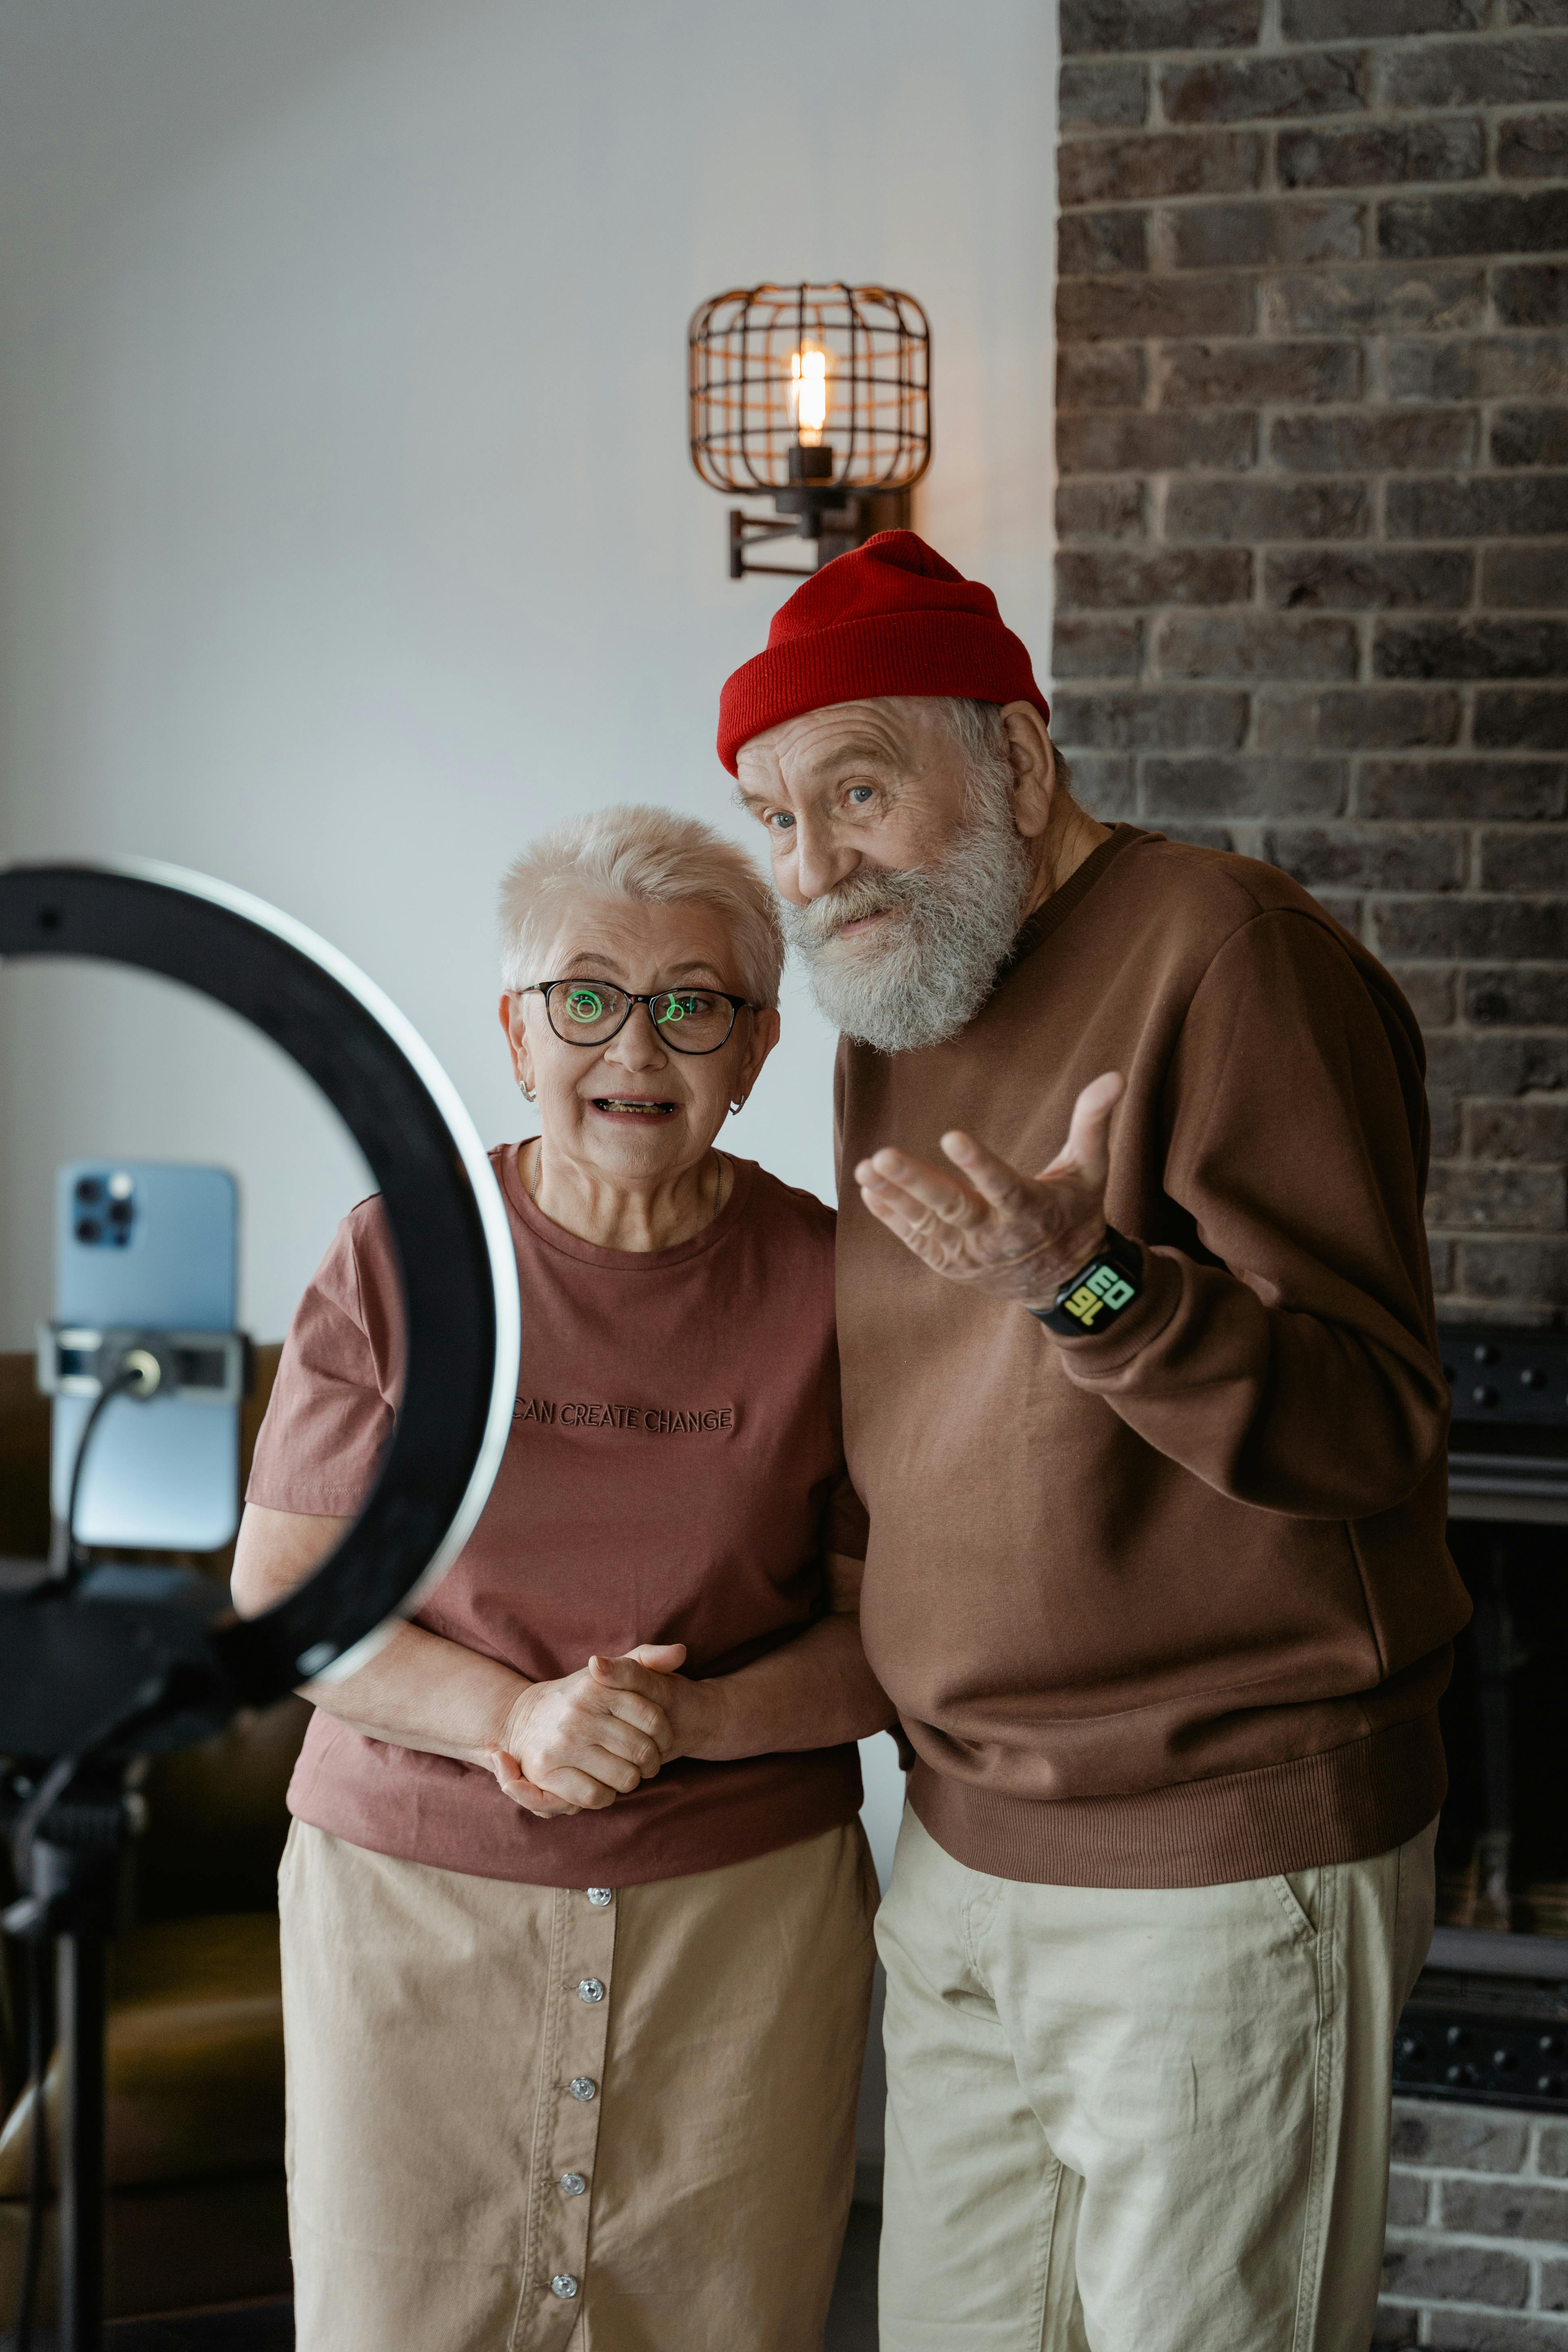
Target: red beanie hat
889	617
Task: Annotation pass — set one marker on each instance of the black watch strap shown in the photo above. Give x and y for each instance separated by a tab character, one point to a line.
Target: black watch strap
1101	1293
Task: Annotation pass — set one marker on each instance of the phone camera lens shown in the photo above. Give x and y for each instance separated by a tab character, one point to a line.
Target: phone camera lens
88	1190
121	1213
88	1230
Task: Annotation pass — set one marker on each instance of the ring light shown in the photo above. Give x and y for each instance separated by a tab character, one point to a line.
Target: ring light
460	1298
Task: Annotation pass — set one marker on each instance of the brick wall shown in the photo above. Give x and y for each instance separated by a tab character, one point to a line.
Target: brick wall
1313	576
1478	2235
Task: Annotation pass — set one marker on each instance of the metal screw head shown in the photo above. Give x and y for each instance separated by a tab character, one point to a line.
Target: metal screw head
584	2087
564	2285
572	2184
590	1989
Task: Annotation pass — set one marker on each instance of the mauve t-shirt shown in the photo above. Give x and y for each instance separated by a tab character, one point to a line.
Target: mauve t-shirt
674	1473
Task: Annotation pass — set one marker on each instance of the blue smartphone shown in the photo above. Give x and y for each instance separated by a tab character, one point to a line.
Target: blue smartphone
151	1243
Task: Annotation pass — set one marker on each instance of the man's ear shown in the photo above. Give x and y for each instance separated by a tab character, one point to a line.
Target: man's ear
1032	758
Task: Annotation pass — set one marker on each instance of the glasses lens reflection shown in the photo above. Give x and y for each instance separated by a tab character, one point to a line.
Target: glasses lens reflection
590	1011
691	1021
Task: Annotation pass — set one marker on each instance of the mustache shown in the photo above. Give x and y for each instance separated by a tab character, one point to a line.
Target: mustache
812	927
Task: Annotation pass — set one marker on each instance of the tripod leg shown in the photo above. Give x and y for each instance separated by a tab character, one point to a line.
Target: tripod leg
80	1966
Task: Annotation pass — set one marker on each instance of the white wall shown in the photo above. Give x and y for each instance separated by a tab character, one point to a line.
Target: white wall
346	528
346	531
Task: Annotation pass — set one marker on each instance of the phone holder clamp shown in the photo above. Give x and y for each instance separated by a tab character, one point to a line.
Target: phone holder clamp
78	1359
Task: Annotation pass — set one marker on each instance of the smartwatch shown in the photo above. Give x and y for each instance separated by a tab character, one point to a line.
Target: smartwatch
1100	1294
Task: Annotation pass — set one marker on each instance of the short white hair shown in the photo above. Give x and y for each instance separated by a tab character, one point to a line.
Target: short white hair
647	856
977	729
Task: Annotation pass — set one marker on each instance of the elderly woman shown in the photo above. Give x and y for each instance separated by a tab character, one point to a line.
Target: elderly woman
576	1905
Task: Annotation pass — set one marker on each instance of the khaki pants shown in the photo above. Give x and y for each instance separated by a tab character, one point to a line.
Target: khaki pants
520	2120
1141	2122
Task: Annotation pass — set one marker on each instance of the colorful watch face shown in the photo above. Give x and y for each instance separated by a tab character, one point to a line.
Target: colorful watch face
1099	1297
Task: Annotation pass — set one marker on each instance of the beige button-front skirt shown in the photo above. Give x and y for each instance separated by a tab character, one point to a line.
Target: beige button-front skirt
529	2119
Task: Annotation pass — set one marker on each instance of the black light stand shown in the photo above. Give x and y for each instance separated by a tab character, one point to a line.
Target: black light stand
81	1956
100	1668
76	1878
70	1833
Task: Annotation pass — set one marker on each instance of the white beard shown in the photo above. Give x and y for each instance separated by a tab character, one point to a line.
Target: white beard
927	967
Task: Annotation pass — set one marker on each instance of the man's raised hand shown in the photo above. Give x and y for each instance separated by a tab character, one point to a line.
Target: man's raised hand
1014	1236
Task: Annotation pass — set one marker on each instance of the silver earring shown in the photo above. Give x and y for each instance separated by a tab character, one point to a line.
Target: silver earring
739	1106
525	1089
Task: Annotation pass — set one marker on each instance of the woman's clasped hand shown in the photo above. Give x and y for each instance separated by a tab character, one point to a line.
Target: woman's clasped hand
577	1744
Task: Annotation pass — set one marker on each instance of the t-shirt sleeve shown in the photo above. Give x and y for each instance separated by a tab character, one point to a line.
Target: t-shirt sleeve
334	1400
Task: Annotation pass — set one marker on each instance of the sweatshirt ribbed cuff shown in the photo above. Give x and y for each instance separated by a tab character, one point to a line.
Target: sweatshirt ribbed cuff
1088	1359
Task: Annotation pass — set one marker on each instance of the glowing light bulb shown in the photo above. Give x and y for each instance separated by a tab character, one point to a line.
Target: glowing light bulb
808	395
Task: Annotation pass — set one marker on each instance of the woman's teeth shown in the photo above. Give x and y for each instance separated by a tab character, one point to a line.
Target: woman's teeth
633	1103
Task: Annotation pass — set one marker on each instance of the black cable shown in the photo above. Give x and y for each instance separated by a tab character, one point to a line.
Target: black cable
65	1557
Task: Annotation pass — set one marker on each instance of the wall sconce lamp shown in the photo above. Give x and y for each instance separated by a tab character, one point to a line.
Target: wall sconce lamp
819	397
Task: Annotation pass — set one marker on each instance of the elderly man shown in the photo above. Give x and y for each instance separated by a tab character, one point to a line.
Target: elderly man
1142	1393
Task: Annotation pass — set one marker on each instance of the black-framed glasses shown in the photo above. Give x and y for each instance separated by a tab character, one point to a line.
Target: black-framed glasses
590	1012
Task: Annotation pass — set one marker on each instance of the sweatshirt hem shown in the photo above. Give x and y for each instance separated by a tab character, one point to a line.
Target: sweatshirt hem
1345	1805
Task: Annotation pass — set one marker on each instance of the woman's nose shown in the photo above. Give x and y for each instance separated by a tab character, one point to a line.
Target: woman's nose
638	1046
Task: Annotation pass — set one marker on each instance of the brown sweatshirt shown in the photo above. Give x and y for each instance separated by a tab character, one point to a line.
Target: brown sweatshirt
1172	1605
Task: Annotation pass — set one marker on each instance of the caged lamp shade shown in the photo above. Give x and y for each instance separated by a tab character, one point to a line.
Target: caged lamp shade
817	397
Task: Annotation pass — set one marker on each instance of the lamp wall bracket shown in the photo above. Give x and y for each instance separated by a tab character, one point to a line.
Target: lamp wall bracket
836	522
